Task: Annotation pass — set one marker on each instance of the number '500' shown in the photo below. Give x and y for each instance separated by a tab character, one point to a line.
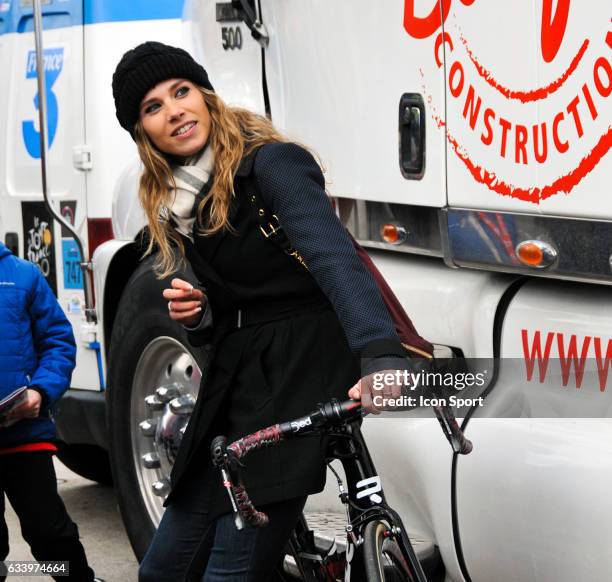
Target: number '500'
231	37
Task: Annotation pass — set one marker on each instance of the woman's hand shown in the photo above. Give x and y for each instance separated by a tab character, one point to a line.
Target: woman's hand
184	302
29	408
375	389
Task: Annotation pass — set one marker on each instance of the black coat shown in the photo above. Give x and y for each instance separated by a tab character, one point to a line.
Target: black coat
301	331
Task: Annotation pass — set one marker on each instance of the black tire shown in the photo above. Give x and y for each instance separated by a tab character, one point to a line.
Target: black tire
88	461
383	560
141	321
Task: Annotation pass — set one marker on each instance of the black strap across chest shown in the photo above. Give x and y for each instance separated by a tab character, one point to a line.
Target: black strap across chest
269	225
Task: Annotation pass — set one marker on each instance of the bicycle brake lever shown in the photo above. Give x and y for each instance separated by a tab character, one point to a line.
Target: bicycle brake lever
218	450
451	429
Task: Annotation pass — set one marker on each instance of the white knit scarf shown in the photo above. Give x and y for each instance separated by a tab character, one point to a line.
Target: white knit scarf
190	179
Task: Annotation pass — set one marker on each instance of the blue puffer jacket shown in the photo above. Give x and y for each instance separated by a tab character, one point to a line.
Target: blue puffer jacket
37	346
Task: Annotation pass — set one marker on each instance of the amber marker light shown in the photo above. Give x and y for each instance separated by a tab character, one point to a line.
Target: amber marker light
393	234
536	254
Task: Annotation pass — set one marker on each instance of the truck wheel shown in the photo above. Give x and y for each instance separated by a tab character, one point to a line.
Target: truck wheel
153	382
89	461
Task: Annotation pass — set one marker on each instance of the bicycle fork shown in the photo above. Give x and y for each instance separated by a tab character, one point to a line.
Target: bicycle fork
365	500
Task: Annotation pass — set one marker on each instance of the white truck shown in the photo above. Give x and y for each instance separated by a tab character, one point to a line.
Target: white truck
466	143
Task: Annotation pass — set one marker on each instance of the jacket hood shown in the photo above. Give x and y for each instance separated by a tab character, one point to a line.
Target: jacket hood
4	251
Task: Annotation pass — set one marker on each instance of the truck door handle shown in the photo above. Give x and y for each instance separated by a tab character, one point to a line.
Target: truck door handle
412	136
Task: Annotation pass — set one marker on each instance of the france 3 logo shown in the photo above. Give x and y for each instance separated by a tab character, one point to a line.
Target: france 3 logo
53	59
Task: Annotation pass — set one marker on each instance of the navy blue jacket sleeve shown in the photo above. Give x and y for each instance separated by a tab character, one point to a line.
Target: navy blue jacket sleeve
53	341
292	185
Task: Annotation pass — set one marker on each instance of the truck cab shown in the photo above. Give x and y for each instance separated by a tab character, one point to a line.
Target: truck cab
466	145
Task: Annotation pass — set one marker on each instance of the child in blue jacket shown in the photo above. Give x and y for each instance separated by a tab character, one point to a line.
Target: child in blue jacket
37	350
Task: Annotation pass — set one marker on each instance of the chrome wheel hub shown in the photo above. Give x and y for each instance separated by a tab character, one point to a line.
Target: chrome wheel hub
166	383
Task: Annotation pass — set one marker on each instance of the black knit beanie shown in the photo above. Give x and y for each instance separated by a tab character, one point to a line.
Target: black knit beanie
143	67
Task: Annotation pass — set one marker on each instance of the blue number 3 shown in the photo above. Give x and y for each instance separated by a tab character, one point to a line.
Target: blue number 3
53	61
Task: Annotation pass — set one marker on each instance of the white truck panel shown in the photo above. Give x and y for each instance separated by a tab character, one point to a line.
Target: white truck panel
542	513
21	188
63	69
235	73
525	133
336	72
533	500
128	216
447	306
102	260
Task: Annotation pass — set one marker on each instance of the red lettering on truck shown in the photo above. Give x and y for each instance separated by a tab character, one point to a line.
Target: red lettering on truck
553	25
570	356
572	125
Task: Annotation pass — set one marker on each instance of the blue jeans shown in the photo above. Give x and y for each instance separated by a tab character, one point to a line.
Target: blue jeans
189	547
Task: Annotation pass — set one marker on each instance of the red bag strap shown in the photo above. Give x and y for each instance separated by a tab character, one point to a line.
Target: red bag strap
410	338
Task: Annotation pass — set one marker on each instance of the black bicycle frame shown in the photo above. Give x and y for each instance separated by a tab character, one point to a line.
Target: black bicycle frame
339	423
365	496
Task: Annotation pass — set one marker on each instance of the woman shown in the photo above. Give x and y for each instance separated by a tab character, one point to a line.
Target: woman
287	331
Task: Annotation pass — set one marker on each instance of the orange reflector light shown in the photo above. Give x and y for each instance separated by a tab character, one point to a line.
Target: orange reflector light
536	253
530	254
393	234
389	233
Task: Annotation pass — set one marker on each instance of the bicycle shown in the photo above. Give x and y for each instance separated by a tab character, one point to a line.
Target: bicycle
376	537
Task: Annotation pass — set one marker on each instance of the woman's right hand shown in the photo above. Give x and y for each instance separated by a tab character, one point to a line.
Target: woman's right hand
374	392
185	302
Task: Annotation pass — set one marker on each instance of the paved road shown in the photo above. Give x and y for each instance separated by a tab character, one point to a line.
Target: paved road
94	508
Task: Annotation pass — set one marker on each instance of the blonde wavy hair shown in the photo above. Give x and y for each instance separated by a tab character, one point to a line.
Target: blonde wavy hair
234	133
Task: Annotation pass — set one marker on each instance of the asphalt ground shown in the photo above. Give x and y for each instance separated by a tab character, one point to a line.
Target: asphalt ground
94	509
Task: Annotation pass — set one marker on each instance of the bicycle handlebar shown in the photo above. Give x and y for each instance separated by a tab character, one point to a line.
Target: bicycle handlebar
227	457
